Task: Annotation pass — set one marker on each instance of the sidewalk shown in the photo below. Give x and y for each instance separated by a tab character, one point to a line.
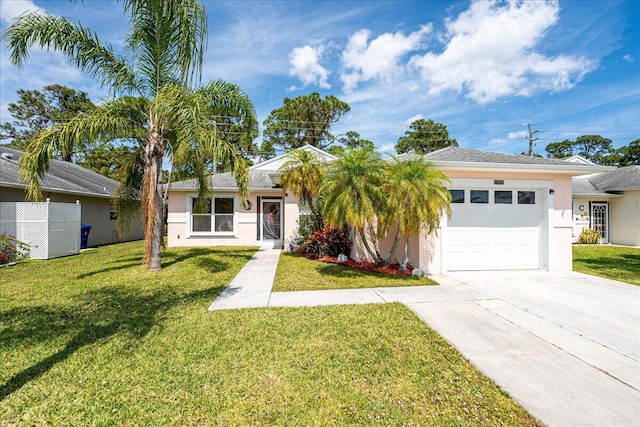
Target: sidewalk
251	288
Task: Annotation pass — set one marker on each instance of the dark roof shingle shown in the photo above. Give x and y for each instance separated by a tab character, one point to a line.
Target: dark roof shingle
62	177
457	154
259	180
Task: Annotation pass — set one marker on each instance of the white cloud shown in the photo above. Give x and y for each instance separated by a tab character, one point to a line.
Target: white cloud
389	147
628	58
14	8
518	134
305	64
490	53
379	58
413	119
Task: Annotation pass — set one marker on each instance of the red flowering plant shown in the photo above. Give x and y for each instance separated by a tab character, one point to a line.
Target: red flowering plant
12	249
329	242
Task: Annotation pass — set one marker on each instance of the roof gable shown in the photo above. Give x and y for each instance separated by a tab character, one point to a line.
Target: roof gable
579	159
62	177
275	163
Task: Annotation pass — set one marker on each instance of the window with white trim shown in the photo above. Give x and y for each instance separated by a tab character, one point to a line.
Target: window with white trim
217	218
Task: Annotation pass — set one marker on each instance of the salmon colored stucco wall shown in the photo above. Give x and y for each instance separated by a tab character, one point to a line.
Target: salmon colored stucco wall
246	221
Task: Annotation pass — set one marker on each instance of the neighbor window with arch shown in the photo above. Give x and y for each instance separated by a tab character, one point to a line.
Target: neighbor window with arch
218	216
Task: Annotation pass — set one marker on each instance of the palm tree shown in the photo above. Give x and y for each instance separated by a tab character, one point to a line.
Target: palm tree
302	173
169	114
353	195
416	198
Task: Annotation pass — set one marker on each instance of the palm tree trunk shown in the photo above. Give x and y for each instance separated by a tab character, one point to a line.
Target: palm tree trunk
366	243
394	246
378	261
156	238
406	250
152	198
317	219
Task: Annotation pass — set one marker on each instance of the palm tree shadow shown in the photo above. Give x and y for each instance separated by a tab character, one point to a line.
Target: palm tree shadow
117	311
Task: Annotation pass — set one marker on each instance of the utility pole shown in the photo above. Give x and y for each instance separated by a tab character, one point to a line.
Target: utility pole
530	134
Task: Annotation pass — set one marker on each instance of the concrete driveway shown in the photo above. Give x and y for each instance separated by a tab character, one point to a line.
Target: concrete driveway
566	346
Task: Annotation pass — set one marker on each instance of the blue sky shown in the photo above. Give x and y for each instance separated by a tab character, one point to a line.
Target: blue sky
481	68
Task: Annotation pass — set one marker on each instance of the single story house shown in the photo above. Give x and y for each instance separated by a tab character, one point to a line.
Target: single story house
508	212
67	182
608	202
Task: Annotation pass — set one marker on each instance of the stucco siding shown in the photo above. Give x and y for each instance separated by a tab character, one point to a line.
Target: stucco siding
247	221
625	219
580	213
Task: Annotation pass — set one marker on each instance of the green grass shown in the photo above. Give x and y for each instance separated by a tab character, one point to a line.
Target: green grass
612	262
297	273
95	339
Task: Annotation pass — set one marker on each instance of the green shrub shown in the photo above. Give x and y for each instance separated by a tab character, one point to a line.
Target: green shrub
305	227
589	236
12	249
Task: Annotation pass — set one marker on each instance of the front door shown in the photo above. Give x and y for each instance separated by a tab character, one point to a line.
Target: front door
599	219
271	228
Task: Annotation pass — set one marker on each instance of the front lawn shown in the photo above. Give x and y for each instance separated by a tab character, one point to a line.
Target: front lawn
297	273
612	262
95	339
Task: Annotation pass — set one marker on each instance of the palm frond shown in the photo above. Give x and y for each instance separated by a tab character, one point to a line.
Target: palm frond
77	43
169	38
104	123
189	115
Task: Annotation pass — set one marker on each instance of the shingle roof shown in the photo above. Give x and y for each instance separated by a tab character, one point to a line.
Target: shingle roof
621	179
62	177
457	154
581	186
260	180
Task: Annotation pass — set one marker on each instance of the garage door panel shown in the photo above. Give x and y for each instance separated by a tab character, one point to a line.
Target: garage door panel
493	237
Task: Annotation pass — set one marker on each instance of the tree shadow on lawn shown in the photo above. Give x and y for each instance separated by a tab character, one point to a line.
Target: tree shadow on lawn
631	262
100	315
169	258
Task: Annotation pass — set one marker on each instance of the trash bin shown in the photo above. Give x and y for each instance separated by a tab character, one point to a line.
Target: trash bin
84	235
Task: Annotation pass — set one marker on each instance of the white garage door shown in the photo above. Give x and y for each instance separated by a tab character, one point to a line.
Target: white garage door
493	230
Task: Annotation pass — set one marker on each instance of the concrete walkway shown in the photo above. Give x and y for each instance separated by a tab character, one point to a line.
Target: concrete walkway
565	346
252	285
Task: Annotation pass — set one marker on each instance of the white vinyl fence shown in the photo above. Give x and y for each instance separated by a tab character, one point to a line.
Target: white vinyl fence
52	229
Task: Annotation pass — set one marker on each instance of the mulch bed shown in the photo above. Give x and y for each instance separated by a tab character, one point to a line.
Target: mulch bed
393	269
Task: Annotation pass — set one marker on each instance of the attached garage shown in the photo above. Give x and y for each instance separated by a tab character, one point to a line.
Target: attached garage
509	212
493	229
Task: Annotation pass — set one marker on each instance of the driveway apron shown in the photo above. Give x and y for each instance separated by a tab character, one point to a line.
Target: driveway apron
566	346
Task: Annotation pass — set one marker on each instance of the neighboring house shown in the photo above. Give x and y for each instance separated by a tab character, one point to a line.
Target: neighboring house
509	212
609	202
68	182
